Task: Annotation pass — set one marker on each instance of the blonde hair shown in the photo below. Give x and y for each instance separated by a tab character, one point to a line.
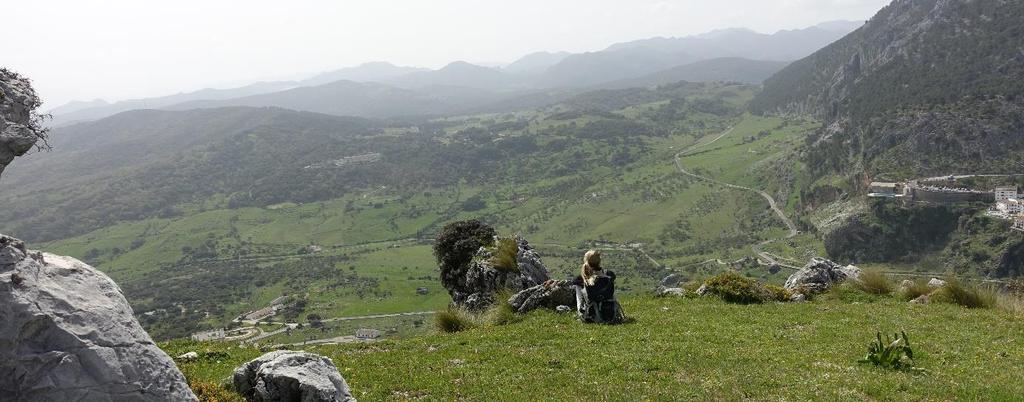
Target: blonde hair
591	264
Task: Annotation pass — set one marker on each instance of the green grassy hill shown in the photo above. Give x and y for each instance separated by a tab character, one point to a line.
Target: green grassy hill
683	349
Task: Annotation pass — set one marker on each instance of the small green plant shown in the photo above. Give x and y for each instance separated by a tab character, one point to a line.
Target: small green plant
874	281
895	353
957	292
454	320
503	257
735	288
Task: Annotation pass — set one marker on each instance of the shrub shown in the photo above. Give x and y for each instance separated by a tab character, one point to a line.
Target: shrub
457	243
735	288
965	295
894	353
778	293
454	320
917	289
503	257
874	281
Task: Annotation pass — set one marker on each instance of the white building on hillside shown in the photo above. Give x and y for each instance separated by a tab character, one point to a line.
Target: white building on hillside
1006	193
1018	224
1010	206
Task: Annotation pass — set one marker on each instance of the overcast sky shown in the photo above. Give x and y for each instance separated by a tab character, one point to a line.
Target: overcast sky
119	49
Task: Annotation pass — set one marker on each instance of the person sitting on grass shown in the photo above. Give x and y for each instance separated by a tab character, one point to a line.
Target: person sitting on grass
595	292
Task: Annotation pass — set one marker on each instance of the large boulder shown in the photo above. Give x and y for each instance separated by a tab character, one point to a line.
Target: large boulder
482	280
819	275
19	124
291	376
541	296
68	334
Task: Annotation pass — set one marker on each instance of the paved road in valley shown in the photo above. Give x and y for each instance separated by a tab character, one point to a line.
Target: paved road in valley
758	248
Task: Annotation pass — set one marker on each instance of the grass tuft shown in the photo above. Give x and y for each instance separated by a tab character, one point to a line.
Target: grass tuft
916	289
504	256
874	281
500	313
849	292
454	320
959	293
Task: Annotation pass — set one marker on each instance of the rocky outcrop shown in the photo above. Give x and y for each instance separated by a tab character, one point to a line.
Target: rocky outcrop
291	376
475	290
819	275
19	129
671	281
541	296
68	334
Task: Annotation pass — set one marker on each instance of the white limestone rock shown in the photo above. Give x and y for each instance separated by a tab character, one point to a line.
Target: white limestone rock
68	334
291	376
819	275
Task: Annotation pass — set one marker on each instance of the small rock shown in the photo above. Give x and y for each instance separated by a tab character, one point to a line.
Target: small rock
563	309
922	299
936	283
431	349
905	285
457	362
190	356
798	298
702	290
663	292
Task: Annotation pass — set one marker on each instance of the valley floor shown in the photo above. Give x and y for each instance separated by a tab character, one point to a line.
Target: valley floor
684	349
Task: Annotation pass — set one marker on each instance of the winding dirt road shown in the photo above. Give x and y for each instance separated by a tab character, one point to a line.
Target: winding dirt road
758	248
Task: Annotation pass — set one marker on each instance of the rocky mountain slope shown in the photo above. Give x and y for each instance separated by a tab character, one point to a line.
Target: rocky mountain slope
721	69
925	88
936	79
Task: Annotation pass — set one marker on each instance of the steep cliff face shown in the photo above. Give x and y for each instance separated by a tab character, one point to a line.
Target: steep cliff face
19	124
925	86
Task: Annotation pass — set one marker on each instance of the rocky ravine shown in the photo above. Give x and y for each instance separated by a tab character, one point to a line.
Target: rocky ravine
67	333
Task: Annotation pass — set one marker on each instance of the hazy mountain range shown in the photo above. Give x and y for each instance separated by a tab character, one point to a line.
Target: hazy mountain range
388	90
